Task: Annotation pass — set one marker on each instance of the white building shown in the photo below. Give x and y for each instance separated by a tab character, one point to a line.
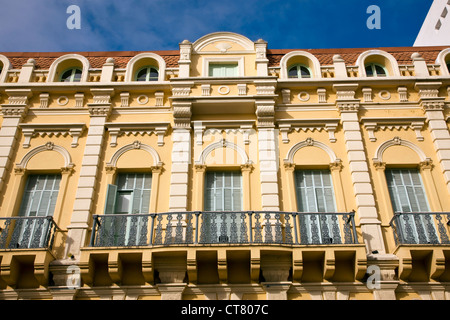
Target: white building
435	30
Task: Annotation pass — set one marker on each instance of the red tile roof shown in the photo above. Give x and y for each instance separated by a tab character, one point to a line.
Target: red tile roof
325	56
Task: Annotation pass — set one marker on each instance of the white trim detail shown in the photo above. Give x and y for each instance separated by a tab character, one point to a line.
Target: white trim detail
309	142
440	60
360	62
243	41
132	146
223	144
6	66
316	73
129	73
62	101
398	142
49	146
54	67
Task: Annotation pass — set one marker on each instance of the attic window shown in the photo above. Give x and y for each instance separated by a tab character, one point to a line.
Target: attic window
223	70
71	75
375	70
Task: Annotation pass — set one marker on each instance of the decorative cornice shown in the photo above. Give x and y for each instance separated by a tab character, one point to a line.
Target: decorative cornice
52	130
18	103
288	125
265	112
374	124
119	129
101	106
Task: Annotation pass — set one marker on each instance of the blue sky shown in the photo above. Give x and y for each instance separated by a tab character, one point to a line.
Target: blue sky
150	25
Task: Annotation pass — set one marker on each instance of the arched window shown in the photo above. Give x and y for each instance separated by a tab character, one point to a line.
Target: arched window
375	70
71	75
147	73
299	71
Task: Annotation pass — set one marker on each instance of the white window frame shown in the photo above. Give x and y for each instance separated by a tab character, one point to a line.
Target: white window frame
226	60
147	76
299	75
73	69
374	73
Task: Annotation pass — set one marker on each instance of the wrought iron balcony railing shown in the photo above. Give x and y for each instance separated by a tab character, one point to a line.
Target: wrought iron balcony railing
421	227
243	227
27	232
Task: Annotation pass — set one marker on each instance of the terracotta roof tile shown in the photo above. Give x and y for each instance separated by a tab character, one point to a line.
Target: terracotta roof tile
121	58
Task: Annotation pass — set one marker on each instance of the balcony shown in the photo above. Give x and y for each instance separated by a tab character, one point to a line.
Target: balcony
421	227
27	232
233	228
423	240
26	250
222	247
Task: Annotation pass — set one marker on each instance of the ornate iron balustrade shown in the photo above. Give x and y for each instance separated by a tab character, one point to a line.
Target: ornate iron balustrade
421	227
27	232
242	227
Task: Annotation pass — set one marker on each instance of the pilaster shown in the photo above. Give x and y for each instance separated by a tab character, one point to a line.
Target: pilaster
99	110
433	107
13	113
348	107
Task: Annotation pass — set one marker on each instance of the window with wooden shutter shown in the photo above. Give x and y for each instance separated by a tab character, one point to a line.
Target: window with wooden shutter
409	199
223	192
315	195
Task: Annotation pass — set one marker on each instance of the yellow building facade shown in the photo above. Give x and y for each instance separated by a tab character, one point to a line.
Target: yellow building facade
225	170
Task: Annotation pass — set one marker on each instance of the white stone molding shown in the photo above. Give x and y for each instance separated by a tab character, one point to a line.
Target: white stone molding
208	39
133	146
181	89
62	100
161	65
27	71
265	87
223	144
303	96
49	146
309	142
440	60
159	98
79	100
118	129
322	94
398	142
6	66
316	73
52	130
374	124
44	99
288	125
384	95
403	94
286	96
51	77
212	126
142	99
367	94
185	59
124	99
223	90
360	62
206	90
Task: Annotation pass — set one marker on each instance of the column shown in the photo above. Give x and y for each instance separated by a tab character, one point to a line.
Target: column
433	107
181	156
268	166
12	113
365	202
99	111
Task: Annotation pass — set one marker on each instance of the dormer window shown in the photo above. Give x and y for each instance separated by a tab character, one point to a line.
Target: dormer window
223	70
299	71
147	73
71	75
375	70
